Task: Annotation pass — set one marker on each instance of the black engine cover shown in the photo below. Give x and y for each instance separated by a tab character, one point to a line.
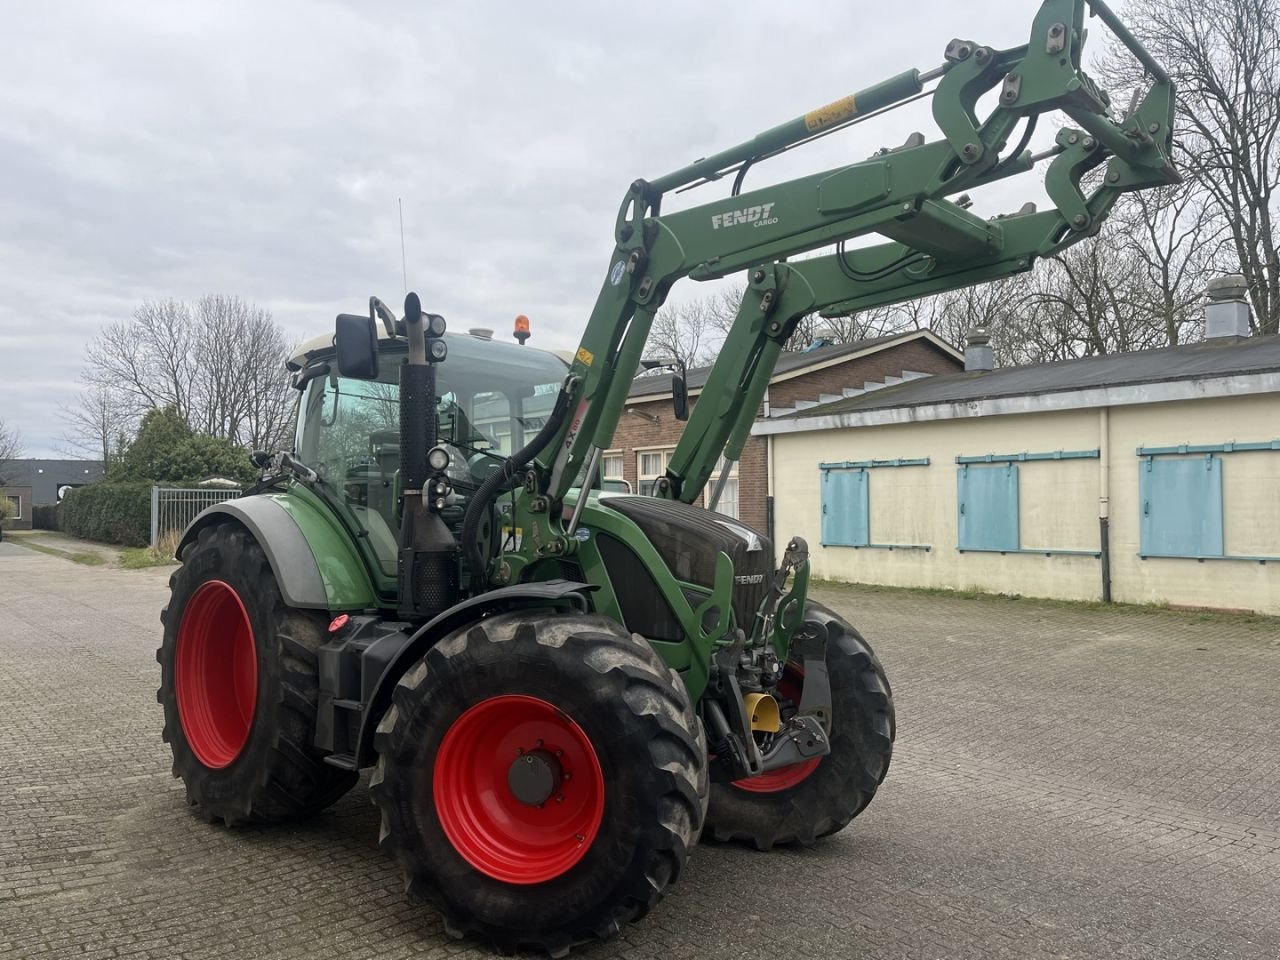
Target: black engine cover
688	539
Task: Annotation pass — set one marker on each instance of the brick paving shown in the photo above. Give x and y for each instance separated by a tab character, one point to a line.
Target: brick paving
1069	782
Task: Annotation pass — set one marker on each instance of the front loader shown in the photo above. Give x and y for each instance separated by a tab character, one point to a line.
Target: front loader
560	688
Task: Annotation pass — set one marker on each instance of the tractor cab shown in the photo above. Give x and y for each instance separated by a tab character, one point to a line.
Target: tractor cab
491	397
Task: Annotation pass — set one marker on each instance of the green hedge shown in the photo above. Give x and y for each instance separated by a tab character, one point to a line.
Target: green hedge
109	512
44	516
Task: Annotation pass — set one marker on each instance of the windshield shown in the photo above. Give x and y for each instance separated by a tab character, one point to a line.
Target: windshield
492	398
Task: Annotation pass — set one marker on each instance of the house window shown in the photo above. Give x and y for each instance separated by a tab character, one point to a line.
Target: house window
650	465
1182	507
846	508
611	473
17	507
611	465
728	502
988	507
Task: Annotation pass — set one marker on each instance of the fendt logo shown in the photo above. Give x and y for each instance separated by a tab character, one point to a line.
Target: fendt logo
756	216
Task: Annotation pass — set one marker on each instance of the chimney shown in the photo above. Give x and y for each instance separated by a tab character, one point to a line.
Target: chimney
1226	315
977	350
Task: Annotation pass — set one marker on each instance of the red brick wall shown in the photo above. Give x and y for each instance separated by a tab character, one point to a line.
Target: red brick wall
638	432
917	355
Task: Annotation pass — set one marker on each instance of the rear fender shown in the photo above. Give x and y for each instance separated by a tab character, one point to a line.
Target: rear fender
315	565
398	658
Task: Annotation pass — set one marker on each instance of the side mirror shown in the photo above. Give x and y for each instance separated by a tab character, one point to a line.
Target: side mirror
680	396
356	343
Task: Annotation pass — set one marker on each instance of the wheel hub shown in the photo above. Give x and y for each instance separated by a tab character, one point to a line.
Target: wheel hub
534	777
518	789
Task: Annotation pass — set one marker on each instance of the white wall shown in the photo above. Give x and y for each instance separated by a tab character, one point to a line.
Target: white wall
1059	505
1251	504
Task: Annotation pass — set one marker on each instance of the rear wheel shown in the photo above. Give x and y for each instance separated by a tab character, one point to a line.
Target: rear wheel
542	779
816	798
239	685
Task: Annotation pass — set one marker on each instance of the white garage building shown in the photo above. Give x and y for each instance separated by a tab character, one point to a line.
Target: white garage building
1139	477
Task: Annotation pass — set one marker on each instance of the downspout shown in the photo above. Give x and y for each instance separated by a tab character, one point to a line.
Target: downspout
1104	498
769	500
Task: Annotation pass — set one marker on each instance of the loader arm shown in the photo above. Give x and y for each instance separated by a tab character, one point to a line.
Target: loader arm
932	243
780	295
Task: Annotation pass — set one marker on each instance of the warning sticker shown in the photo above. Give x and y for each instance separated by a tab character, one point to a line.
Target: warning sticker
585	356
833	113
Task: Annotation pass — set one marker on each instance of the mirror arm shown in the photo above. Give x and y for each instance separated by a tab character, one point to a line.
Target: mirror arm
379	310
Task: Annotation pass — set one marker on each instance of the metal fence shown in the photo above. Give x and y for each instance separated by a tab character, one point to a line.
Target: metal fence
173	508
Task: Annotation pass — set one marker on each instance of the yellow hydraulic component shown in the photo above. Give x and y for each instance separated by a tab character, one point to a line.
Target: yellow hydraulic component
763	710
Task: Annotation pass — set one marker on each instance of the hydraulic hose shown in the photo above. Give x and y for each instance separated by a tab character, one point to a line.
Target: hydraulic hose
488	491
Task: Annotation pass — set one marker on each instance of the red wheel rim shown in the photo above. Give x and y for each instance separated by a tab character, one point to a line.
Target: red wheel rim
784	778
216	672
495	831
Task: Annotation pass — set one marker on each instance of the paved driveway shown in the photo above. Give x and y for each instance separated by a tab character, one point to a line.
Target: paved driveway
1068	783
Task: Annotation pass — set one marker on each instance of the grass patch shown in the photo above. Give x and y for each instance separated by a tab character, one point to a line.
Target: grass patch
1140	609
88	559
161	555
139	558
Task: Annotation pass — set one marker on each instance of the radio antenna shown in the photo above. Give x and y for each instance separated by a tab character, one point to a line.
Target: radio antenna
404	269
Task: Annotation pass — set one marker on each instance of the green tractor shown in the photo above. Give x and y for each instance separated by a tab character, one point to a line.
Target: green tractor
561	687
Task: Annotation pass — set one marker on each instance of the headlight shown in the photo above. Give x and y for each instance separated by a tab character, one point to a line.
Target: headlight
438	458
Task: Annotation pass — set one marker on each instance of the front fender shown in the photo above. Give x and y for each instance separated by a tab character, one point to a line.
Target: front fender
315	564
398	654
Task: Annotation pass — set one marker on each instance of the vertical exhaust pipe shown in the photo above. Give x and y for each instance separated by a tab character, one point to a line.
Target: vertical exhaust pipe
428	561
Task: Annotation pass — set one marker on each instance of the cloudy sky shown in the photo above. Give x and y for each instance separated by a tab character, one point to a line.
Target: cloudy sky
259	149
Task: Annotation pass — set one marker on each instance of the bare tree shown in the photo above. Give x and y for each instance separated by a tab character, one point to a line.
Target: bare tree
1084	302
863	325
219	362
1175	237
240	390
10	449
1224	56
97	423
997	307
686	332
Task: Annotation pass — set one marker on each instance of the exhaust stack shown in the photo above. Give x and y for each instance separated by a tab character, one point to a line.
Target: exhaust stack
428	561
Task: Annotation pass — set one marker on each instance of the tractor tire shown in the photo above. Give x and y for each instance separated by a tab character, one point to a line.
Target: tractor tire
542	779
239	685
807	801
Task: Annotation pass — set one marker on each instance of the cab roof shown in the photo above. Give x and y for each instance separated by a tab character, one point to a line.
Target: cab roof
321	347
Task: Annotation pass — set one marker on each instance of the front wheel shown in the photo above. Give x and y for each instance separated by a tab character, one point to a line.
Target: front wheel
542	779
806	801
239	682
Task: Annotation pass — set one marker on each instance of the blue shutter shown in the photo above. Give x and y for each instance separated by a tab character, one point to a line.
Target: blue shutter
845	508
988	507
1181	507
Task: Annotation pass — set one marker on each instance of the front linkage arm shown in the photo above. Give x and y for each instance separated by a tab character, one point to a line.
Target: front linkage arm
933	243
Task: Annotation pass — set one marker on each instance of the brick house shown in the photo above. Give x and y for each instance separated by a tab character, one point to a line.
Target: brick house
648	431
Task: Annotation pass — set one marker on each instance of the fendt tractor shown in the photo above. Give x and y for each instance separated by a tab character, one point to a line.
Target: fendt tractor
559	686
